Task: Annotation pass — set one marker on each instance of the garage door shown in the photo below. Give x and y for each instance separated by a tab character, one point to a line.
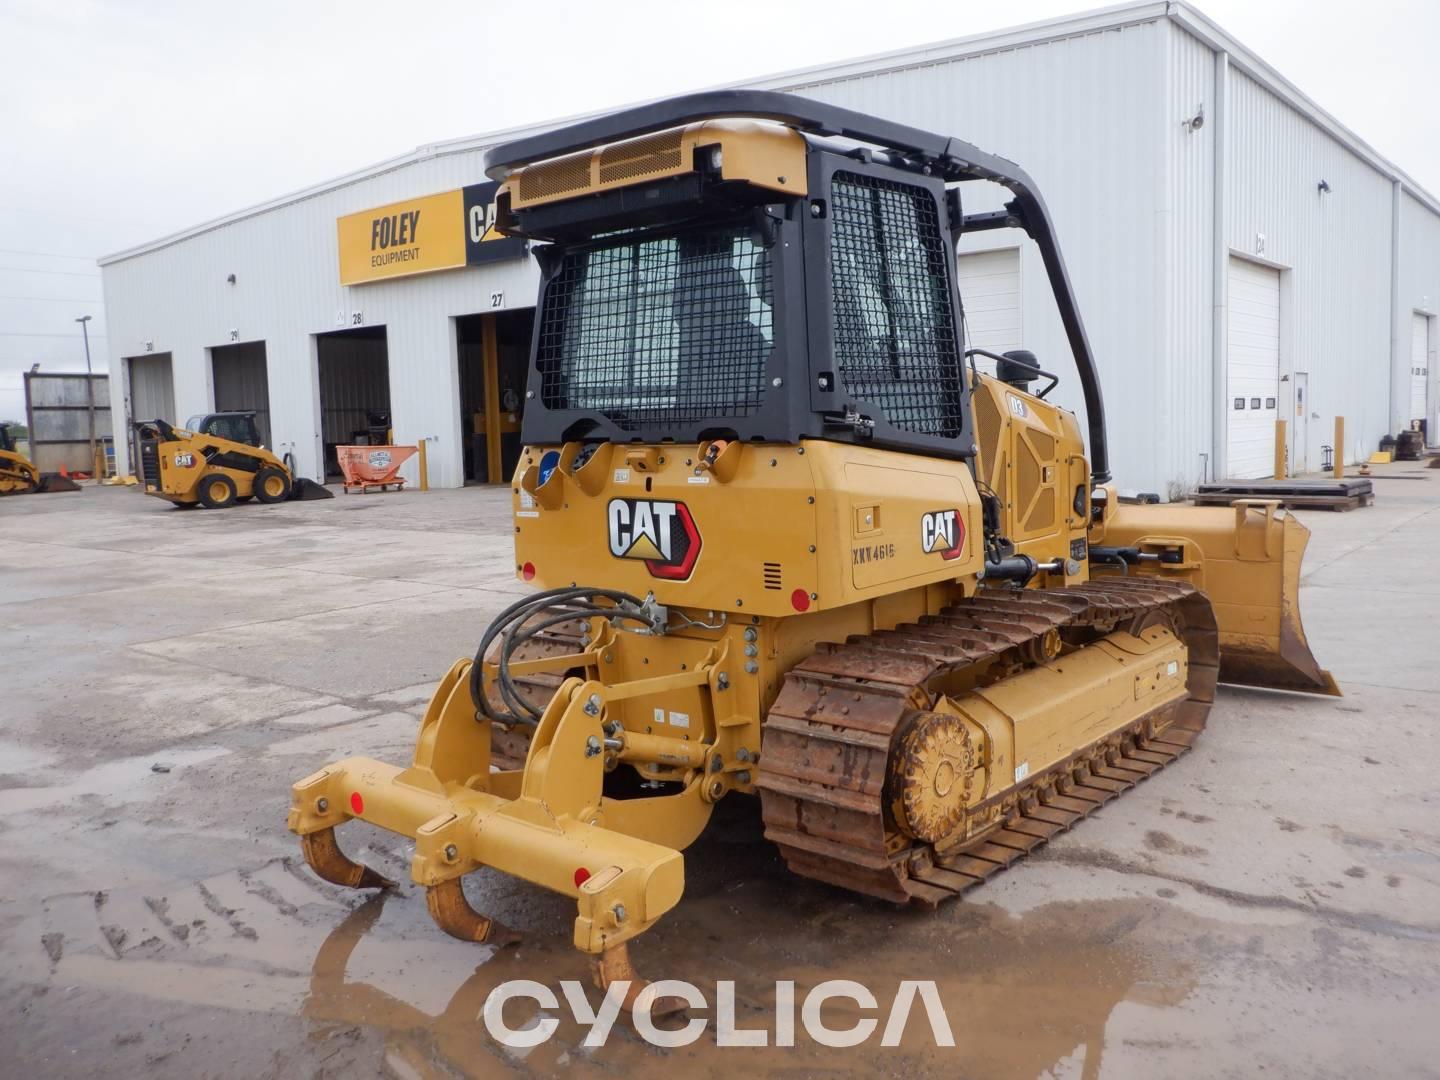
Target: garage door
1419	364
1252	370
241	384
990	291
152	390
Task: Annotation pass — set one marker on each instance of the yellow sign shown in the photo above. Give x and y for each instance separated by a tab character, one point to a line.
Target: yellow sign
411	237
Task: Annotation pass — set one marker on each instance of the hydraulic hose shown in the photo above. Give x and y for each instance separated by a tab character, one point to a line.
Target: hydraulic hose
523	620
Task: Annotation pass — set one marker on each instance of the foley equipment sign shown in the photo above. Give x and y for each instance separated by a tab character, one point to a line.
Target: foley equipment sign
417	236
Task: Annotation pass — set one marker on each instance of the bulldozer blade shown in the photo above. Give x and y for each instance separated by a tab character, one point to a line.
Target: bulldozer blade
52	482
305	489
1247	561
326	859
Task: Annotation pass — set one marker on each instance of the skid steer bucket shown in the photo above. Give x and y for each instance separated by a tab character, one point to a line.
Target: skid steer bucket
306	490
52	482
1246	558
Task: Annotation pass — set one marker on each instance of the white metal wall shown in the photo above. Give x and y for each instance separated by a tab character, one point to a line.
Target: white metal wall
1182	429
1336	247
287	289
1082	116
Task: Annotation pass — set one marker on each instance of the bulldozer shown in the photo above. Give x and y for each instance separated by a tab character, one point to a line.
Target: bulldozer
791	542
216	461
18	474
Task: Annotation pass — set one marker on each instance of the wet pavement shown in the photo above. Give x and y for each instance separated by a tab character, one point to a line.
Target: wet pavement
1270	902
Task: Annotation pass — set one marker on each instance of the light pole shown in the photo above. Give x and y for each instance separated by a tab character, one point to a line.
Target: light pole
90	396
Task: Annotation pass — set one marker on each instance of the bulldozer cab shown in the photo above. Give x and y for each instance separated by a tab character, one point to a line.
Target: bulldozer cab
771	278
7	441
239	427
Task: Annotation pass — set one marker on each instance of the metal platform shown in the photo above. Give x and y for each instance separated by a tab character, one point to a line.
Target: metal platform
1345	494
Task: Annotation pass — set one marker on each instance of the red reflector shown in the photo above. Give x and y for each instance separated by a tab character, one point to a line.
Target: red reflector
581	876
357	804
528	571
800	600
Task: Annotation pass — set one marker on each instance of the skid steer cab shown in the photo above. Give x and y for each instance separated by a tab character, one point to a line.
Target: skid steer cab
216	462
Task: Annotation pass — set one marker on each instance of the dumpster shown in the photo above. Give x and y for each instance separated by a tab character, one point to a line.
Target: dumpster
368	467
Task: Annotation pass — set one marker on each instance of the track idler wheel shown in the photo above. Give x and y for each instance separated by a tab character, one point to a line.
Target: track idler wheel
326	859
613	965
453	914
932	775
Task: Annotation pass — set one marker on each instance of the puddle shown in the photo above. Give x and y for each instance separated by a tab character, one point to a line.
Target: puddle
17	758
365	979
125	780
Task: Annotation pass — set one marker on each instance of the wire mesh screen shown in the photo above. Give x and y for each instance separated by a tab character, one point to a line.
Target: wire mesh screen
895	341
659	332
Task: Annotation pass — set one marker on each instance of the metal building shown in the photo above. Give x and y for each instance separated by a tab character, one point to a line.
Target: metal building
1240	256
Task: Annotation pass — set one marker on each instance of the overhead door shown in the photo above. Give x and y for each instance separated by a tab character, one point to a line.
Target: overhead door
1419	364
990	292
1252	370
241	384
152	390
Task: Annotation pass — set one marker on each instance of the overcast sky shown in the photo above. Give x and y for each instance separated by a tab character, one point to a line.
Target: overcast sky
123	121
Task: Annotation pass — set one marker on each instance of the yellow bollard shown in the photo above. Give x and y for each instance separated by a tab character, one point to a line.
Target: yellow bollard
1339	447
1280	450
424	470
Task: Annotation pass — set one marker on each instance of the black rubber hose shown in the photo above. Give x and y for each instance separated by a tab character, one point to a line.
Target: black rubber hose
516	625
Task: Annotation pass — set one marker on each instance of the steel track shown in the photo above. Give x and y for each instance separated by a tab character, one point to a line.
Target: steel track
828	739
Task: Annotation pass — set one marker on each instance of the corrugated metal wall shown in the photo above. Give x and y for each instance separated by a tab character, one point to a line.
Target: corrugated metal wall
1185	398
1334	249
58	406
1082	116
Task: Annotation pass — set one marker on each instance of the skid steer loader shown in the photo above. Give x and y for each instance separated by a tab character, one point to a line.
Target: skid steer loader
217	461
18	474
792	543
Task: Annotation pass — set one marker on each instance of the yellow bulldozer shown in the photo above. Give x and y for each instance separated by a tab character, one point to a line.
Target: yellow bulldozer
18	474
216	461
792	542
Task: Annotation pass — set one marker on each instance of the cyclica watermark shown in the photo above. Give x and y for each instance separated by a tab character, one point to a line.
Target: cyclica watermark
727	1033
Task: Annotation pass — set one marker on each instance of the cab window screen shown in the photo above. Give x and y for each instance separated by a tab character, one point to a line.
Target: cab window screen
663	331
895	340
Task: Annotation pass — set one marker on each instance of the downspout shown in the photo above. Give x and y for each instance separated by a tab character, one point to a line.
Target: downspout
1399	387
1220	260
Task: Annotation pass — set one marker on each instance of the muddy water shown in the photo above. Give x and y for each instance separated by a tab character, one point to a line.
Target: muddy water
266	970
